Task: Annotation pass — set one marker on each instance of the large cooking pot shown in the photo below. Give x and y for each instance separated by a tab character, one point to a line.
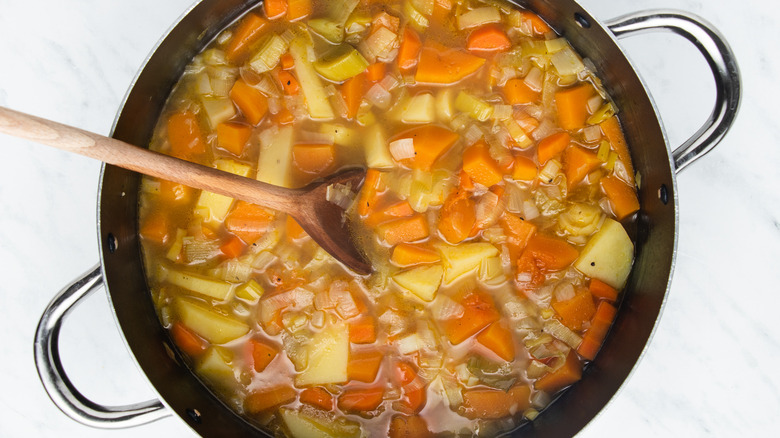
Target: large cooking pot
183	393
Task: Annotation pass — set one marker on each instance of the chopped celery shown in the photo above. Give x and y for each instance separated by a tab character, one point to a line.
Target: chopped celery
377	154
418	21
603	152
208	323
217	289
533	48
346	63
606	111
218	110
444	102
424	6
473	106
250	291
519	136
611	160
313	91
479	16
273	166
420	109
269	55
328	29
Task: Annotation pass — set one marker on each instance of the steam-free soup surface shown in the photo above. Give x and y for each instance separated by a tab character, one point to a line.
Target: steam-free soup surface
498	182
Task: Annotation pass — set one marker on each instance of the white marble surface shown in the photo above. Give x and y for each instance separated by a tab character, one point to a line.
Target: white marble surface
710	370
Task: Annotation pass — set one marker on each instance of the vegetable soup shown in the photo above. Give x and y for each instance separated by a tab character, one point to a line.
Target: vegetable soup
497	188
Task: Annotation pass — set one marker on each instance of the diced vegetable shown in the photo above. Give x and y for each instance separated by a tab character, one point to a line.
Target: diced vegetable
608	255
430	143
622	197
377	154
498	339
216	367
478	17
313	91
362	331
352	91
479	312
463	258
577	164
517	92
218	110
233	136
314	159
611	129
265	399
552	146
361	399
364	366
525	169
262	354
602	290
442	65
328	29
184	135
405	255
475	108
488	38
250	291
216	289
480	166
328	353
273	166
551	253
457	218
568	373
405	230
495	403
419	109
304	425
298	9
422	281
275	9
248	32
409	52
317	396
414	426
576	311
344	64
248	221
572	106
207	323
594	337
190	343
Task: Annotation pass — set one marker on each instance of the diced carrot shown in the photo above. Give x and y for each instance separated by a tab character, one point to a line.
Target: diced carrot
372	185
551	253
441	12
232	136
405	255
190	343
488	403
262	354
289	83
376	72
314	159
517	92
317	396
287	61
577	164
402	230
430	143
248	221
576	311
184	135
362	330
599	326
294	230
352	90
361	399
409	52
298	9
156	227
488	38
283	117
248	32
479	312
393	211
207	232
568	373
412	386
572	106
464	181
518	232
492	203
525	169
613	132
602	290
233	247
252	103
442	65
498	339
174	192
457	217
621	196
275	9
267	398
537	24
529	275
364	366
549	147
480	166
413	426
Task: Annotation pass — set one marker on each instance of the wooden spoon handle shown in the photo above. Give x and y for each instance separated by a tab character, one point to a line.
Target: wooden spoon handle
148	162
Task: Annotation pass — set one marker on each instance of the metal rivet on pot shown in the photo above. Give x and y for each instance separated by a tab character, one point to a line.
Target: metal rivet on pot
663	194
111	240
581	20
194	415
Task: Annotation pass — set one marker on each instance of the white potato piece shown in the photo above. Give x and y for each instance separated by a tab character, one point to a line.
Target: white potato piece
214	365
209	324
328	353
377	154
274	163
423	281
304	425
420	109
464	258
608	255
209	287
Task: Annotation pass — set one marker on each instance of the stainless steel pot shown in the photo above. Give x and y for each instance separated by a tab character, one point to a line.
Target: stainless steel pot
183	394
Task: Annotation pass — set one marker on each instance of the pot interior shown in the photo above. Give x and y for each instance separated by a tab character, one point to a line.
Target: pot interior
655	228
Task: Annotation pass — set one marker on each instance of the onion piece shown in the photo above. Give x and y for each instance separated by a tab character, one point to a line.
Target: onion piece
592	133
402	149
340	195
379	97
534	79
445	308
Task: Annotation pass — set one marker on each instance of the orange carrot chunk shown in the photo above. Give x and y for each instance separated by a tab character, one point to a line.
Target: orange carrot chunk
289	83
480	166
430	143
404	230
577	164
576	311
409	52
599	326
248	221
262	354
376	71
414	426
498	339
361	399
318	397
184	135
621	196
314	159
288	63
298	9
457	217
352	91
368	193
551	253
405	255
549	147
190	343
391	212
442	65
248	32
488	38
275	9
488	403
517	92
233	247
602	290
156	227
252	103
364	366
572	106
362	331
267	398
568	373
611	129
525	169
479	312
233	136
294	230
412	386
538	25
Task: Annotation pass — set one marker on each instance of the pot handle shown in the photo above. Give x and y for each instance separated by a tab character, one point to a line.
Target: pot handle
56	382
721	60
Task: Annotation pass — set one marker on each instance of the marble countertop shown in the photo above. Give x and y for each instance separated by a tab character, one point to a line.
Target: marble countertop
710	370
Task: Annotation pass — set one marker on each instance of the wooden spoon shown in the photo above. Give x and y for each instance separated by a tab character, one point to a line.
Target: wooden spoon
322	220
